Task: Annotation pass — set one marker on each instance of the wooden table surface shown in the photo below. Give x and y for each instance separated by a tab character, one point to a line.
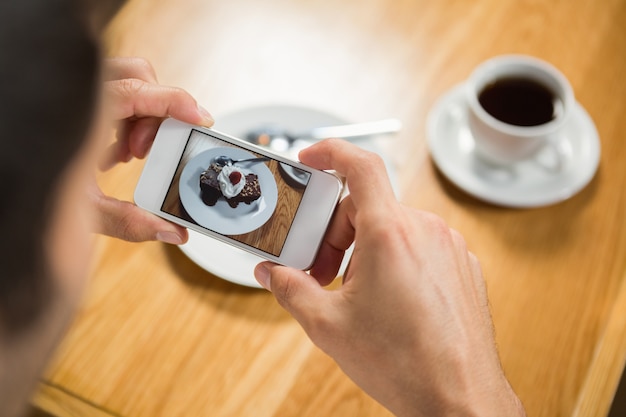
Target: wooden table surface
159	336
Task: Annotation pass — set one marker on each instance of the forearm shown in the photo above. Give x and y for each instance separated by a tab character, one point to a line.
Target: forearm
496	401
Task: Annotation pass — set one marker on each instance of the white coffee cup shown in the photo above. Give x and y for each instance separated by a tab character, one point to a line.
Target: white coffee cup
502	142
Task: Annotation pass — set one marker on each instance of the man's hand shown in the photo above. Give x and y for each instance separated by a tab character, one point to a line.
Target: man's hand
138	104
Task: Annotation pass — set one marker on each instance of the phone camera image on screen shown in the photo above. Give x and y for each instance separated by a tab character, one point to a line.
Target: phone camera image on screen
235	192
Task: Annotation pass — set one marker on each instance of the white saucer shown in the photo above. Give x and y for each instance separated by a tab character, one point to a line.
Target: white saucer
230	263
523	185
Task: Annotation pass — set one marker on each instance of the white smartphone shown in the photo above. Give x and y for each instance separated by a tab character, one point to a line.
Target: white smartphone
238	193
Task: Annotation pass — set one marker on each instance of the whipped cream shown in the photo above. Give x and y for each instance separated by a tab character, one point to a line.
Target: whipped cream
229	189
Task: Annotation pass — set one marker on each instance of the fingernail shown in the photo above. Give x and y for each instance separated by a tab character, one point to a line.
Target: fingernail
208	118
169	237
262	275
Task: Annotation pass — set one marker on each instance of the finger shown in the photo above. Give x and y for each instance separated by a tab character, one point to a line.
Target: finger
141	136
119	150
340	233
124	220
134	139
327	264
135	98
129	67
337	240
365	171
116	152
297	292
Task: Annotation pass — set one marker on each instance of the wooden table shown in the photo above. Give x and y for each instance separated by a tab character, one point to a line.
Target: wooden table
159	336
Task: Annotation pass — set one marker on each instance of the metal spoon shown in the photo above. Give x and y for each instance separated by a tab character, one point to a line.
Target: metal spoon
225	160
281	139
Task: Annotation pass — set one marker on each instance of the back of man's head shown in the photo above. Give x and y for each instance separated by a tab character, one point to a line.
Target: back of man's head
49	71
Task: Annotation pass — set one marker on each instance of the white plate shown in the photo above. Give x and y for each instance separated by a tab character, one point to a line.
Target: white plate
523	185
222	218
222	260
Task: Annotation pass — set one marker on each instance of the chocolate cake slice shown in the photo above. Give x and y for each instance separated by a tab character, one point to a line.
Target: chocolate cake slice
209	185
210	188
251	192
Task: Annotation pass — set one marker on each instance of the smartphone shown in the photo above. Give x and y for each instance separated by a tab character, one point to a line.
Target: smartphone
238	193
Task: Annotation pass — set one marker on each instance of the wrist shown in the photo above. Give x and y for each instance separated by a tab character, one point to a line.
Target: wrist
493	399
456	396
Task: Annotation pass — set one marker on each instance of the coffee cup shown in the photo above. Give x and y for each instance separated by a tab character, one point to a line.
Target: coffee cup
517	106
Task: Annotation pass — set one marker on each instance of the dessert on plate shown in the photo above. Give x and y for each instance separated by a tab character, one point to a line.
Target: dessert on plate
229	182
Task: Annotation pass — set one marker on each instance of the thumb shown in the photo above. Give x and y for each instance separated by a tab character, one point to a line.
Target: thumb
124	220
296	291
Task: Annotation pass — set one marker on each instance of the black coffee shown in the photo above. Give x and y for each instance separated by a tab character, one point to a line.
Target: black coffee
519	101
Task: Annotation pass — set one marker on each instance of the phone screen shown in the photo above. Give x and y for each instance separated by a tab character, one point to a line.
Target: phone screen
253	202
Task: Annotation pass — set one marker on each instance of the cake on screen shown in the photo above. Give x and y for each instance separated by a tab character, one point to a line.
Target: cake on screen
230	183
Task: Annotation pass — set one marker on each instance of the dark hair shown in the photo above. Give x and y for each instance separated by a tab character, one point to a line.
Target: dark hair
49	72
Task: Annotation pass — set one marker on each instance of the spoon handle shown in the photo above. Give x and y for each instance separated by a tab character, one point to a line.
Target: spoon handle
357	129
264	158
